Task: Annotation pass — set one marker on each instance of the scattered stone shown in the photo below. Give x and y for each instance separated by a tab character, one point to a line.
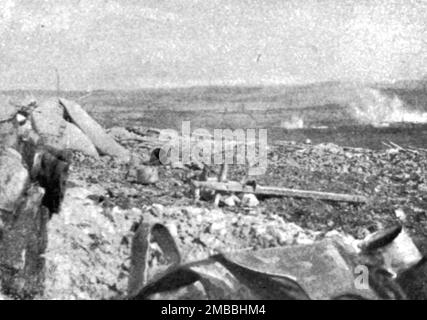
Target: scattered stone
249	200
195	165
219	226
400	214
207	240
147	175
327	147
21	119
274	157
207	194
422	187
121	134
157	209
177	165
230	201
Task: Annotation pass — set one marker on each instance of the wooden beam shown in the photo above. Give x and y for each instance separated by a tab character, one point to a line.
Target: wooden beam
234	186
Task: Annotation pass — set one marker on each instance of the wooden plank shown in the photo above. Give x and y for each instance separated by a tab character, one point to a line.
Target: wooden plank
234	186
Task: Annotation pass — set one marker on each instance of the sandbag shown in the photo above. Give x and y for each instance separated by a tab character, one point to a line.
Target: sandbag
51	106
58	133
103	142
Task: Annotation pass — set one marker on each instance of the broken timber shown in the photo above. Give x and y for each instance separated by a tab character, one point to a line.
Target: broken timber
234	186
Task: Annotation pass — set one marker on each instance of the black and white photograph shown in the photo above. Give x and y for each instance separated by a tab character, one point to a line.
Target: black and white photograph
231	150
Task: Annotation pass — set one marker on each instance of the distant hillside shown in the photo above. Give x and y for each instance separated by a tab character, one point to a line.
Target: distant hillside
235	97
318	104
412	92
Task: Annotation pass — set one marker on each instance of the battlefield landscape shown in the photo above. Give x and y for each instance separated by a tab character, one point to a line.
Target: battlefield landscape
349	114
213	150
367	141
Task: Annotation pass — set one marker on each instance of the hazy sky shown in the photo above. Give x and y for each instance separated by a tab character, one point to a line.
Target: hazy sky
142	43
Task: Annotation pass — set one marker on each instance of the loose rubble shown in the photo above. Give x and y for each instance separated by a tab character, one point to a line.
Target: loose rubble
202	229
89	241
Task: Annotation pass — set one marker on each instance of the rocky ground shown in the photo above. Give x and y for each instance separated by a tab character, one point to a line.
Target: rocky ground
89	241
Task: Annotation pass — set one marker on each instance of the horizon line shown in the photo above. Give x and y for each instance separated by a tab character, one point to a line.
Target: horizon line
221	85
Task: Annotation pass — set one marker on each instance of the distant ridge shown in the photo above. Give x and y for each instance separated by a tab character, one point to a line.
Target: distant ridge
233	87
219	97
